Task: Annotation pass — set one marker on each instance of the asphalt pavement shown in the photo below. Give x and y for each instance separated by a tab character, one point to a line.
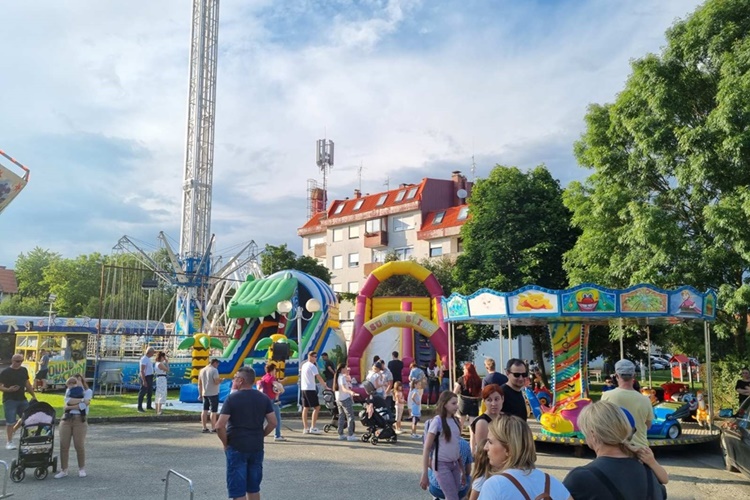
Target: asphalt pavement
131	460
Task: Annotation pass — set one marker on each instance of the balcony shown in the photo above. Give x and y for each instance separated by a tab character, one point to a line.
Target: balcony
319	250
370	267
376	240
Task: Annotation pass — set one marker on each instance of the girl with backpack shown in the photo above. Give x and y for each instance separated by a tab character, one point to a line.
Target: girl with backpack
512	455
443	434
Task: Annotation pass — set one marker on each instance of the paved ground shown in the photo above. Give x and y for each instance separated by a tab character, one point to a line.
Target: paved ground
130	461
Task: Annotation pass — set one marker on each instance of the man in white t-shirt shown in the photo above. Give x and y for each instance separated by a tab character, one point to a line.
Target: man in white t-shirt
208	392
147	380
308	374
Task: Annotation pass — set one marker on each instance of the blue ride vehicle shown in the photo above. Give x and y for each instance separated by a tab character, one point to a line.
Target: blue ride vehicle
665	424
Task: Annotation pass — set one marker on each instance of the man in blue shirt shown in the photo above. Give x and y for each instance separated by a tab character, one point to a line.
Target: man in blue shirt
240	429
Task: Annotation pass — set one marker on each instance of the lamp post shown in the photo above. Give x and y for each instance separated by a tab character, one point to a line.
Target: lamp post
285	308
51	298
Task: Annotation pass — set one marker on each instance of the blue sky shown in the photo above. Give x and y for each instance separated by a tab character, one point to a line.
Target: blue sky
93	100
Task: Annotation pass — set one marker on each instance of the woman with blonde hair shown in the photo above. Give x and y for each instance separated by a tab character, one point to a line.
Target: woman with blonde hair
512	455
617	471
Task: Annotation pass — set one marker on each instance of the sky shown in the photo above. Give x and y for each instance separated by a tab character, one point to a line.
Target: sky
93	99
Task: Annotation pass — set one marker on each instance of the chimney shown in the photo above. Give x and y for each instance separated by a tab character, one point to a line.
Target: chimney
357	193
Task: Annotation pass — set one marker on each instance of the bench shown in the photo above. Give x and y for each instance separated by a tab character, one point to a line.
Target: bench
595	374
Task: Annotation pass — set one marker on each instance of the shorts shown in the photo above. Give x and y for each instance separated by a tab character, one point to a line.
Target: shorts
244	472
41	375
310	399
14	408
211	402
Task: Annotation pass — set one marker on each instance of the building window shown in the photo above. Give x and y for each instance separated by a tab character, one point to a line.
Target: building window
412	193
350	314
353	232
353	287
353	260
463	213
436	249
438	218
315	241
337	262
378	255
338	234
372	226
403	223
400	196
382	199
336	287
339	208
460	245
358	205
404	253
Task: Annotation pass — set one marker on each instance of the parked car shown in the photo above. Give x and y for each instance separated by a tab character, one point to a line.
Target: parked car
735	440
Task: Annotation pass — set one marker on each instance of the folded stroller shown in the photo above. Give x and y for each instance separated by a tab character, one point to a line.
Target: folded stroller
329	398
378	419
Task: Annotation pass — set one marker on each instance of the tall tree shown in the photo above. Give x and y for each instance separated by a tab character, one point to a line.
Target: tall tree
75	282
516	236
669	198
30	273
278	258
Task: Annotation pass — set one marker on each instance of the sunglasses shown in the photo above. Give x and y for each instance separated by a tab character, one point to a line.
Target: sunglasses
519	375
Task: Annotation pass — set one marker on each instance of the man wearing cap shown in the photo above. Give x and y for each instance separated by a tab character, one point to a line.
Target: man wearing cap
636	403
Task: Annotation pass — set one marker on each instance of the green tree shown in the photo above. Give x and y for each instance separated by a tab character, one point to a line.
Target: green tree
516	236
30	273
75	282
669	198
278	258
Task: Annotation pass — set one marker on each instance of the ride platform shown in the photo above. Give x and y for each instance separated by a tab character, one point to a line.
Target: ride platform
692	433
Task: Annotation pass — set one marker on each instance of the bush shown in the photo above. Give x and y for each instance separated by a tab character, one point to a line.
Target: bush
725	376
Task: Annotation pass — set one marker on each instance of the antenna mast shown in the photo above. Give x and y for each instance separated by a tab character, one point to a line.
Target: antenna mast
324	160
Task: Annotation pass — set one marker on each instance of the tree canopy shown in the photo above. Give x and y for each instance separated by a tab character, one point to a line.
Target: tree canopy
669	198
278	258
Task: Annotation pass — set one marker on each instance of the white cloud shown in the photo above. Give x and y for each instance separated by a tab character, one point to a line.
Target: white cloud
402	87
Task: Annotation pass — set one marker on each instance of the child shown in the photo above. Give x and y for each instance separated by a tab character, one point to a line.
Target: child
482	469
74	392
398	401
415	406
35	414
443	434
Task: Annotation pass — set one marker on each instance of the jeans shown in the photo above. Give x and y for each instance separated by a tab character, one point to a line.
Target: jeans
346	415
244	472
277	412
433	388
147	389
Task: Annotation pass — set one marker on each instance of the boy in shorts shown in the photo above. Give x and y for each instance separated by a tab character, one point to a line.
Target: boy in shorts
415	406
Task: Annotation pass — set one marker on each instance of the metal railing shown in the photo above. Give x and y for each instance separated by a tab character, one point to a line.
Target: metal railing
166	486
5	480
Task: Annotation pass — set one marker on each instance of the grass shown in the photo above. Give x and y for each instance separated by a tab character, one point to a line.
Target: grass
111	406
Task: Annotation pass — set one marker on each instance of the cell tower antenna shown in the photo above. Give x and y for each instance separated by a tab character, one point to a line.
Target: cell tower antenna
387	183
359	175
473	169
324	160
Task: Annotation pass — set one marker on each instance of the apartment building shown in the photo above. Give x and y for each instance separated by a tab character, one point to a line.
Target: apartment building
353	236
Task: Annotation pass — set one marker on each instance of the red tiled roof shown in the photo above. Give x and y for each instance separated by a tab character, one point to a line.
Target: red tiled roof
8	283
370	202
314	225
450	220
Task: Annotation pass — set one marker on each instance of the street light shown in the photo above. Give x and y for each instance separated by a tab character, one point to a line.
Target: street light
51	298
285	308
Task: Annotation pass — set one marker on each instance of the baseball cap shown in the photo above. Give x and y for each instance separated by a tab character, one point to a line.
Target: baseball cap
625	368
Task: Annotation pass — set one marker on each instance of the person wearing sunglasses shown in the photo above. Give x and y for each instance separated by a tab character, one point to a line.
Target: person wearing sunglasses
514	402
14	384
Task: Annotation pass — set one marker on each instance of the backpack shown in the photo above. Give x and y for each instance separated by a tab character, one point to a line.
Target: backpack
436	446
545	495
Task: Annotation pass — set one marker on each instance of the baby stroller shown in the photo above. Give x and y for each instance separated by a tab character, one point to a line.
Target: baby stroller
36	444
377	418
329	398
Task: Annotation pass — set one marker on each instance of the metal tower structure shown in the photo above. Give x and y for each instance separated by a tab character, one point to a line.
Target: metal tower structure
324	160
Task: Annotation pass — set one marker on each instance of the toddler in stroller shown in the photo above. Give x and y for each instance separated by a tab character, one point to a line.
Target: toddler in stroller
37	442
377	417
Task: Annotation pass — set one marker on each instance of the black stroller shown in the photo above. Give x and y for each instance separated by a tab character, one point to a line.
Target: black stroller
36	444
329	398
377	418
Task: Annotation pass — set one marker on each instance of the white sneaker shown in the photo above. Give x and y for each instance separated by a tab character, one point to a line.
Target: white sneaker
416	436
81	473
315	430
280	438
305	431
352	438
398	431
10	446
342	438
61	474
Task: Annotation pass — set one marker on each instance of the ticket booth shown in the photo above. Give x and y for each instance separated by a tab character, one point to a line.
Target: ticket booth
67	353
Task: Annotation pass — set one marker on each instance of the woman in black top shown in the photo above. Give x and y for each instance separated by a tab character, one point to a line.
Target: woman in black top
743	385
493	398
469	390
